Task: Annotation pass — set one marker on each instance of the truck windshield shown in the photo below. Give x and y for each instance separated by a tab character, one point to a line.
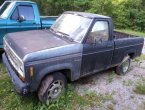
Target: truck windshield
72	26
5	9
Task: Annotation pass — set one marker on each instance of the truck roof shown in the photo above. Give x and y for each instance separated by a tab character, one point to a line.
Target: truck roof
85	14
19	1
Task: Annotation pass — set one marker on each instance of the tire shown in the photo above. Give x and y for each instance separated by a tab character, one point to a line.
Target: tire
52	87
123	68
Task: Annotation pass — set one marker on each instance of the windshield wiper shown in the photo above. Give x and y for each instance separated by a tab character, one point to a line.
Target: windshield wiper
65	35
52	30
71	39
62	34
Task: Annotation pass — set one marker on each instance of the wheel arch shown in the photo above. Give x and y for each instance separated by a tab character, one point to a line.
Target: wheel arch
67	71
131	53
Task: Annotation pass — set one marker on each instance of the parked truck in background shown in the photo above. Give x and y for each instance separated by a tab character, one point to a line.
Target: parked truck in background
21	16
77	45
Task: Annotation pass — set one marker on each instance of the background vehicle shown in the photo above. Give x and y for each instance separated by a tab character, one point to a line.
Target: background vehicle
77	45
21	16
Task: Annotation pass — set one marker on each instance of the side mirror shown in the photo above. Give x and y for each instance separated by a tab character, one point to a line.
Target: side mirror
21	18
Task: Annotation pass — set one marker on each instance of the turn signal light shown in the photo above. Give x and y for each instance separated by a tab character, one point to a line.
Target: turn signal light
31	71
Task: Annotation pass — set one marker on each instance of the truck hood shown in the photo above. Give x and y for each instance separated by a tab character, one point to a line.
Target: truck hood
28	42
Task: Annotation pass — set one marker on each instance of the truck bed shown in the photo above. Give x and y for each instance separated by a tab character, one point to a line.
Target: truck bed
126	44
121	35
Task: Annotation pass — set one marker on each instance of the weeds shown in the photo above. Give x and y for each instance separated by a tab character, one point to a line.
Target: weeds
140	87
127	83
74	101
111	76
140	59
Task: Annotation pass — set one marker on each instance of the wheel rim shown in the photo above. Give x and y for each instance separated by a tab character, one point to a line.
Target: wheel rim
125	66
55	90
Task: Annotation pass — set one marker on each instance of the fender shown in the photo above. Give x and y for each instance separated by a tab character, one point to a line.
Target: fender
50	69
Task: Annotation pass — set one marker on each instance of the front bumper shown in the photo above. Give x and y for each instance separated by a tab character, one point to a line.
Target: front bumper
20	87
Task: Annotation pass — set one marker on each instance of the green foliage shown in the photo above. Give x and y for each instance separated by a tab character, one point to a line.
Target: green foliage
140	87
140	59
141	34
56	7
1	1
110	77
125	13
101	7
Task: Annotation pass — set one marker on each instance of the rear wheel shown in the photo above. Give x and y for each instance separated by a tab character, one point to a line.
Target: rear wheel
52	87
123	68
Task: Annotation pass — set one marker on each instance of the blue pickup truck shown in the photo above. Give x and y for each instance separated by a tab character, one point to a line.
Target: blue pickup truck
47	60
21	16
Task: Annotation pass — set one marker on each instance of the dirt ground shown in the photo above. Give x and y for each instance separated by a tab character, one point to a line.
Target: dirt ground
121	87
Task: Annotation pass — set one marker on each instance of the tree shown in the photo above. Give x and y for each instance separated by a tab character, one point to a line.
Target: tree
101	7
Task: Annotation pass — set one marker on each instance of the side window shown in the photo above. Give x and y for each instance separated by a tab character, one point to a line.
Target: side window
99	32
27	12
15	15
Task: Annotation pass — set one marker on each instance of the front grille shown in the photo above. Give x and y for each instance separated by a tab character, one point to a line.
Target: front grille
13	58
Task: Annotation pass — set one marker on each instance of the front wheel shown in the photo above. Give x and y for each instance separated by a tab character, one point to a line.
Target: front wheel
123	68
52	87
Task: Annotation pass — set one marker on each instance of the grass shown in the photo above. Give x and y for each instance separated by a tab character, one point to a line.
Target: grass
73	101
128	82
9	100
110	77
132	32
140	87
141	58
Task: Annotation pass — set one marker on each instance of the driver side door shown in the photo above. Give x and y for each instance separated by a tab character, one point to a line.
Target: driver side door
15	25
29	22
97	49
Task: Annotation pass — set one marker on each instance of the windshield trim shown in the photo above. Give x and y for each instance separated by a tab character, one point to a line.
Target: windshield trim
88	30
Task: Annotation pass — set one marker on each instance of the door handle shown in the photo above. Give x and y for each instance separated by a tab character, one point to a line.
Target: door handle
109	45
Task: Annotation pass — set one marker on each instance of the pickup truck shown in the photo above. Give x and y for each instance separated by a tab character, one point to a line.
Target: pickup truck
21	16
77	44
